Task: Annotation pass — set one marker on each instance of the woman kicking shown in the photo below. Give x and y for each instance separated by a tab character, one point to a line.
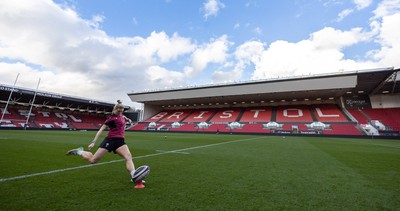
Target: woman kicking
114	141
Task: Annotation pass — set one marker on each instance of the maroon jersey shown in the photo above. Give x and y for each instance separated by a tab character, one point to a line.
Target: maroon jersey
116	125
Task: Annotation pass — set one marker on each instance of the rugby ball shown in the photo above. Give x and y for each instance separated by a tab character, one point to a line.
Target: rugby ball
141	173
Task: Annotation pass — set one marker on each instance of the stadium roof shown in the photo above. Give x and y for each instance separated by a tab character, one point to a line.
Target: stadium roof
302	88
24	96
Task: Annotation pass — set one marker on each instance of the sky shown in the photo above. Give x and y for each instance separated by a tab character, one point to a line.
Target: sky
102	49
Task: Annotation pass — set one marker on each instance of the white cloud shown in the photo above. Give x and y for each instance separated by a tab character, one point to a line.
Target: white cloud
212	7
161	76
321	53
387	21
390	32
386	8
228	76
389	39
90	63
248	53
54	82
328	3
343	14
28	76
258	30
164	47
96	21
330	38
214	52
135	21
361	4
79	58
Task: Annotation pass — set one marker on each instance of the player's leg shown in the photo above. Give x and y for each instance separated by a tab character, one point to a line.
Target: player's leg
88	155
96	157
124	152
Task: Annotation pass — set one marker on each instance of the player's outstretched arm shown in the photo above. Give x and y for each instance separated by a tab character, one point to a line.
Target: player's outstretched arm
91	145
127	119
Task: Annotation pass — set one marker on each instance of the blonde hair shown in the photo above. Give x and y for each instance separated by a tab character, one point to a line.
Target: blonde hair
119	105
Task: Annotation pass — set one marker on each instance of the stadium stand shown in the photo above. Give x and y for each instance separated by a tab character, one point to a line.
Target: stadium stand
226	115
390	117
343	129
298	113
139	127
186	128
347	104
175	116
253	128
328	113
216	128
159	116
258	114
332	104
51	110
200	115
292	119
10	114
47	119
359	116
11	118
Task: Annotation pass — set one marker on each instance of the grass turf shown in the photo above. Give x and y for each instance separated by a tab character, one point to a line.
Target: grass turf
206	172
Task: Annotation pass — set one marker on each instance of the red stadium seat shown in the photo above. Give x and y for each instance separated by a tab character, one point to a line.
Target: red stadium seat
343	129
299	113
389	116
259	114
359	116
328	113
226	115
200	115
139	127
175	116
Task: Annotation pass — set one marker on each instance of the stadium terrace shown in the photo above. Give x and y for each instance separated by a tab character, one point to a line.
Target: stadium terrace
358	103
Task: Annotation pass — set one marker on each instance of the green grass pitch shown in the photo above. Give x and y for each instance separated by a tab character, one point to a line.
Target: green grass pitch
200	172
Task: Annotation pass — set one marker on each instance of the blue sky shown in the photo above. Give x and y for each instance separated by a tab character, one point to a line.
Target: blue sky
103	49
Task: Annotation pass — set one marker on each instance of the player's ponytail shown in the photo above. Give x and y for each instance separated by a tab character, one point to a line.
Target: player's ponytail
119	105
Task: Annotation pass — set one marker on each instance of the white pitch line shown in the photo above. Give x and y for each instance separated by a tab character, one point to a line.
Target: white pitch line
186	153
114	161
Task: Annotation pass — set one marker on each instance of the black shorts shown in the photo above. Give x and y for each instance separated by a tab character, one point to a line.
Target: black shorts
112	144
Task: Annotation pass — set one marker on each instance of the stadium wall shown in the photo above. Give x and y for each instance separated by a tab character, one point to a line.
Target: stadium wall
278	134
304	84
385	101
149	111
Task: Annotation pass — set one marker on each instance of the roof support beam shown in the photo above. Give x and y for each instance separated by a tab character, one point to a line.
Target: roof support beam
394	82
393	75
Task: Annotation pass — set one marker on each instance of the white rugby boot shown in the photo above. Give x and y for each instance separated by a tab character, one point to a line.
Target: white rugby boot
74	151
